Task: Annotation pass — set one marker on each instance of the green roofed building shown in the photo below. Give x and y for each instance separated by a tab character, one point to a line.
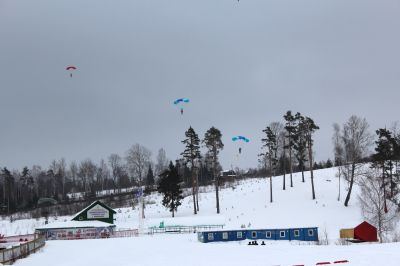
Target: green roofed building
96	211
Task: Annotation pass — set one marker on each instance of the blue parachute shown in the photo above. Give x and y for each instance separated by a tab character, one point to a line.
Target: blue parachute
237	138
181	100
240	138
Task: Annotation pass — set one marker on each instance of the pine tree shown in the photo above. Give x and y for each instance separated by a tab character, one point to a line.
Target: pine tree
383	159
191	154
270	154
213	142
8	186
169	187
290	127
149	180
329	163
300	143
310	128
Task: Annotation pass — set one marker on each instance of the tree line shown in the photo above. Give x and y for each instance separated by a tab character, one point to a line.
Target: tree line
59	182
286	147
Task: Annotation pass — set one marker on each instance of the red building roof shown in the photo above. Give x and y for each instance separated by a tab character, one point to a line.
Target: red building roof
365	232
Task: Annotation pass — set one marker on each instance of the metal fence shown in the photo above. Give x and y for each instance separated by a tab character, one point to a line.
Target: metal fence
10	255
181	229
125	233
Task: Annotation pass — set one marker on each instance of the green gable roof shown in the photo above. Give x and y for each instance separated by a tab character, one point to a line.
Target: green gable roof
99	214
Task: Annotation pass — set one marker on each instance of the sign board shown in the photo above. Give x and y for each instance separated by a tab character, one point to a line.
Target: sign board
77	233
98	212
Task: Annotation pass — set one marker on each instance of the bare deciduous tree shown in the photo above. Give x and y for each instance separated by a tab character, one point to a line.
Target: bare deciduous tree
87	171
102	175
138	159
338	151
162	162
73	172
356	140
372	201
115	162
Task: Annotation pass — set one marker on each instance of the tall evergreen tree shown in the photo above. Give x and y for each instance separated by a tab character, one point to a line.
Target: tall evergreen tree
270	147
283	158
310	128
9	186
300	143
213	143
383	159
191	154
169	187
150	177
290	127
149	180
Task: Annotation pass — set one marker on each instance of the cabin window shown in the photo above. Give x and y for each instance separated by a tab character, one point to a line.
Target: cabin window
282	233
310	232
296	233
210	236
239	235
254	234
268	234
225	235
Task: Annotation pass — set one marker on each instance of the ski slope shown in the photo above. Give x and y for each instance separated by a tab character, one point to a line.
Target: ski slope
246	203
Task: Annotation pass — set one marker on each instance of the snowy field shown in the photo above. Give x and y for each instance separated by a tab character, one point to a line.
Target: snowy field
186	250
247	203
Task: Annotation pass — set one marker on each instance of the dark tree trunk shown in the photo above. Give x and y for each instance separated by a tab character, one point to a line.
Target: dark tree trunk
346	202
194	190
311	167
290	164
270	179
302	173
284	166
339	184
216	177
391	178
197	191
384	187
216	192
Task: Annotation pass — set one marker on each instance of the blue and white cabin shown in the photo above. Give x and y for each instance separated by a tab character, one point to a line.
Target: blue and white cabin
218	236
299	234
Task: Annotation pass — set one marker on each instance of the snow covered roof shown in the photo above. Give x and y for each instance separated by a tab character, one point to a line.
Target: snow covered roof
75	224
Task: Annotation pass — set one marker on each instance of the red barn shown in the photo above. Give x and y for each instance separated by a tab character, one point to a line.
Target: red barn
365	232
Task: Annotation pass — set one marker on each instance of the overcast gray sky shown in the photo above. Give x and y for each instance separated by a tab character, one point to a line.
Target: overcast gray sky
242	64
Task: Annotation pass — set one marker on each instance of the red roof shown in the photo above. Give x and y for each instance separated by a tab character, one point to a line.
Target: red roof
365	232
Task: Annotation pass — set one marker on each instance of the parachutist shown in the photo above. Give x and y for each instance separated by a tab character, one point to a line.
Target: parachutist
181	101
242	138
71	69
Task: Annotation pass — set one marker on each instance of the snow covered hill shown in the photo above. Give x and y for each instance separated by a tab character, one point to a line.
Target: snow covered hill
245	203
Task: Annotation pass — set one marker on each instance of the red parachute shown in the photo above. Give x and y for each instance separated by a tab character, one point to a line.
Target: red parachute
70	68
